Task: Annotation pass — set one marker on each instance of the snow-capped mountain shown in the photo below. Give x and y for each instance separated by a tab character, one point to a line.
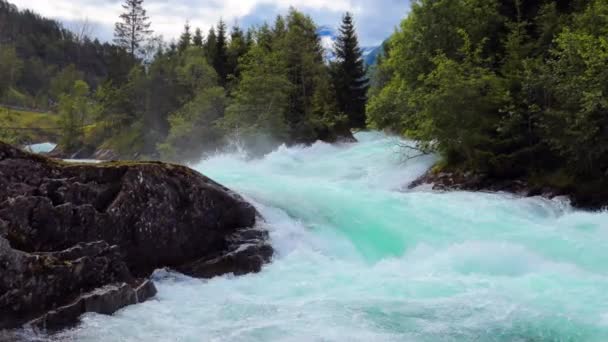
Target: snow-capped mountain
328	37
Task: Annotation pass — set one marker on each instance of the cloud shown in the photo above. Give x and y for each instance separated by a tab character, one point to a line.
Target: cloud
375	19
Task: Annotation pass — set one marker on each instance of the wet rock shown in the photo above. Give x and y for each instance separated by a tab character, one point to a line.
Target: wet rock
33	283
145	291
248	251
69	229
105	300
583	196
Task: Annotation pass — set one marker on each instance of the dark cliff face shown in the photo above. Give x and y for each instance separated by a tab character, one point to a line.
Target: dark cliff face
125	219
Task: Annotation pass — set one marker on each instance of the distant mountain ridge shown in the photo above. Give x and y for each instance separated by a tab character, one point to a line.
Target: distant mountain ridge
328	37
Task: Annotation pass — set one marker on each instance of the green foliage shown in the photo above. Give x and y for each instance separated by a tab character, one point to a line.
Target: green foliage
179	99
349	74
186	38
284	91
33	50
74	109
63	82
193	127
260	101
197	40
575	123
23	127
10	68
512	89
237	48
220	56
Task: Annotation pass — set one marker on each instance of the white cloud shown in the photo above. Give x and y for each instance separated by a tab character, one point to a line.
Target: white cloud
376	17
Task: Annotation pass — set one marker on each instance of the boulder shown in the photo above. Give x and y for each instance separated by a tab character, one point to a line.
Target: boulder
33	283
247	251
84	237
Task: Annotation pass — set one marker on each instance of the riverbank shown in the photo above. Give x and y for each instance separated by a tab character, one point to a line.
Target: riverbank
590	196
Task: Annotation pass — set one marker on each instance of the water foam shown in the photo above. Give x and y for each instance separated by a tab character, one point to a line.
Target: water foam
359	260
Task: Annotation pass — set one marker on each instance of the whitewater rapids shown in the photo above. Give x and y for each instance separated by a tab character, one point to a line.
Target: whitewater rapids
358	258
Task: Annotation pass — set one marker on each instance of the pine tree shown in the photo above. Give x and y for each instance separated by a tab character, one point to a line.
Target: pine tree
349	74
134	28
211	46
301	47
220	59
236	49
198	38
185	39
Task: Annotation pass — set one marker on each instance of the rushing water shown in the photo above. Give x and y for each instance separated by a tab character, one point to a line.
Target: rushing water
360	259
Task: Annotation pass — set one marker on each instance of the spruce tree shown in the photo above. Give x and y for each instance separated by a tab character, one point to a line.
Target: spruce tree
211	46
349	74
197	40
134	27
185	39
220	59
236	49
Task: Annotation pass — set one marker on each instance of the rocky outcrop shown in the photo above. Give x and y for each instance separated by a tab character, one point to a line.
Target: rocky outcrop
583	196
247	251
469	181
76	238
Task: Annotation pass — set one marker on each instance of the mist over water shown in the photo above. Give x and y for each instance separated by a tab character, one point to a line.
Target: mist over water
358	258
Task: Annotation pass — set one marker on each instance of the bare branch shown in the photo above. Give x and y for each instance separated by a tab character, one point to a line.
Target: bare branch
403	146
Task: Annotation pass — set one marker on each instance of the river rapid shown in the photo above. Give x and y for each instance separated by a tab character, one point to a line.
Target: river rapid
360	258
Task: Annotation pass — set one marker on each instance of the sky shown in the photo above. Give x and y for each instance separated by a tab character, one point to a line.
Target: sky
375	19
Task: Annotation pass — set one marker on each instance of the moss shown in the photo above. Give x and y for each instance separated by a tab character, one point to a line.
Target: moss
439	167
31	127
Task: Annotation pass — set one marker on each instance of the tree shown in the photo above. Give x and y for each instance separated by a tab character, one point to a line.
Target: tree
260	100
575	122
220	59
349	74
301	47
193	126
134	28
236	49
10	68
211	46
63	82
197	40
185	39
73	109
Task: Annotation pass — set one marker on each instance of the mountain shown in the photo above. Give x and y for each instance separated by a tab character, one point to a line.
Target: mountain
328	37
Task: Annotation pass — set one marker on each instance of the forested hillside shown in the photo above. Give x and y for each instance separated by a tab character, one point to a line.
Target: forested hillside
263	86
509	89
40	59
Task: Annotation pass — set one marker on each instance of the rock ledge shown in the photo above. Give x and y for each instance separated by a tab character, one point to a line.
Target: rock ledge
78	238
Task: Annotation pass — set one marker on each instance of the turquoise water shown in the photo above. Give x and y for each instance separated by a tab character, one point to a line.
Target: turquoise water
41	148
361	259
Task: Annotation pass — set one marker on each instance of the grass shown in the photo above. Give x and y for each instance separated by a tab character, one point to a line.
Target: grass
24	127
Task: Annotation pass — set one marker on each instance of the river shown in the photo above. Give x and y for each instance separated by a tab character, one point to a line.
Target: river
359	258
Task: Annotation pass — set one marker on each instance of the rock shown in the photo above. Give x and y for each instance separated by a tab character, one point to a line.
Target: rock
33	283
145	291
69	229
248	251
591	196
106	300
105	154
